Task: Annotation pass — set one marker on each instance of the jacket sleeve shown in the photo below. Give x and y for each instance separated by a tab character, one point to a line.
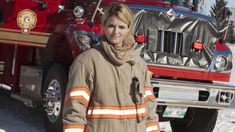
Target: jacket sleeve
152	124
77	97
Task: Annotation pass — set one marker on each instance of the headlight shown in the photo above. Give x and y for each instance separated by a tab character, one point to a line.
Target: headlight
220	63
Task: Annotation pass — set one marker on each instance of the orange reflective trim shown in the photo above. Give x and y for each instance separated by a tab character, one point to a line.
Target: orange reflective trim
148	93
118	107
83	88
74	126
152	127
117	116
117	112
148	88
79	93
152	124
149	97
69	99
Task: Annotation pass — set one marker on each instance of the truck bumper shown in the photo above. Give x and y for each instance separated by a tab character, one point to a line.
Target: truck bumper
193	94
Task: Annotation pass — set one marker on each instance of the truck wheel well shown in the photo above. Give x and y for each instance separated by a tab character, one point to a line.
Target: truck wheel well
57	50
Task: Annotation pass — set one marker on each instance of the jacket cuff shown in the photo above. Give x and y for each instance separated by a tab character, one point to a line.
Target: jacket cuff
152	127
74	128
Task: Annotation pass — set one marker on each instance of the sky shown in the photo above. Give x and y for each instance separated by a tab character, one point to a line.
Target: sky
209	3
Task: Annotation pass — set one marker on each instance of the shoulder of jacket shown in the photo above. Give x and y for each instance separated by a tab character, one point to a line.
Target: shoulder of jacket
141	62
83	60
87	55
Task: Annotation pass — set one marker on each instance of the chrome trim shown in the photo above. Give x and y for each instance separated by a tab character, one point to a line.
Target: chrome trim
1	67
175	42
4	86
14	60
183	67
191	104
178	67
96	9
162	40
53	100
60	8
223	56
214	90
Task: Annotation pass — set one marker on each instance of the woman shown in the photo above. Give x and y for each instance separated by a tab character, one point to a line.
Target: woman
109	87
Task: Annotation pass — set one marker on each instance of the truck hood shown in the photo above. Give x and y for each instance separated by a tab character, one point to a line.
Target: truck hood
170	34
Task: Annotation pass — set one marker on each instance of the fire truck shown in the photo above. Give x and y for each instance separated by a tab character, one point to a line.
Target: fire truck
39	39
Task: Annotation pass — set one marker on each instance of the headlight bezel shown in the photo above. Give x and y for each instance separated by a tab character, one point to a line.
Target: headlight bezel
220	63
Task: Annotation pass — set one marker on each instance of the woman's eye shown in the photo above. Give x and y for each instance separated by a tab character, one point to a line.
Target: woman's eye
122	27
110	25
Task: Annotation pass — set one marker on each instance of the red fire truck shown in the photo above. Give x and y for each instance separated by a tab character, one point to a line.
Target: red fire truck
39	39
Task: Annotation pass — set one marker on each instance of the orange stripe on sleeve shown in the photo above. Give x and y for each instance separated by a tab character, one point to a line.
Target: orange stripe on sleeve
152	127
79	93
148	88
148	93
85	102
74	126
83	88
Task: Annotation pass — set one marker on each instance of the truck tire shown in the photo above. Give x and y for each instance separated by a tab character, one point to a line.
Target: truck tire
196	120
53	97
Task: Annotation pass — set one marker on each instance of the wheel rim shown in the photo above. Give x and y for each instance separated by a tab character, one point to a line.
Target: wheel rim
53	100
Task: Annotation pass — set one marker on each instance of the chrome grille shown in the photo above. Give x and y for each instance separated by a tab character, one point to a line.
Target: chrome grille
164	41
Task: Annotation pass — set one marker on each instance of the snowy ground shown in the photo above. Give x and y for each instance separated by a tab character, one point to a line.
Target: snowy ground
15	117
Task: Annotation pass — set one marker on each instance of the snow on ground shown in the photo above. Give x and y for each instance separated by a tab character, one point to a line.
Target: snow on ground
15	117
226	121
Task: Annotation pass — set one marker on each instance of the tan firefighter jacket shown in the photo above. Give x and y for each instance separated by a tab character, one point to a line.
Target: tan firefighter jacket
102	97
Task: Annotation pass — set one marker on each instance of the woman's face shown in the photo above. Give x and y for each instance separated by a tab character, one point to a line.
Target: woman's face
115	30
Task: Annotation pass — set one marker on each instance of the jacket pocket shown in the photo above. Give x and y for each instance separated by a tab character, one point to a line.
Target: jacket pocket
137	91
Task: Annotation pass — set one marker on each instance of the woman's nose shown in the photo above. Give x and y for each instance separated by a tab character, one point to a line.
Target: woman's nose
116	30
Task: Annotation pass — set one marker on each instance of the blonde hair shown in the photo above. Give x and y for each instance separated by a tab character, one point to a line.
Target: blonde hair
120	10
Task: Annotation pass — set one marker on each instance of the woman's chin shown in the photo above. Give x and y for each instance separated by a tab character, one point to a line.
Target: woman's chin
115	42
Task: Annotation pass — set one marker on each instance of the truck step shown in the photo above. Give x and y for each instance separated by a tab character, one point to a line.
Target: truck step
26	99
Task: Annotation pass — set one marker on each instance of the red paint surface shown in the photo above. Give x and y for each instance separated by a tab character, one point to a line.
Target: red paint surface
220	46
189	74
